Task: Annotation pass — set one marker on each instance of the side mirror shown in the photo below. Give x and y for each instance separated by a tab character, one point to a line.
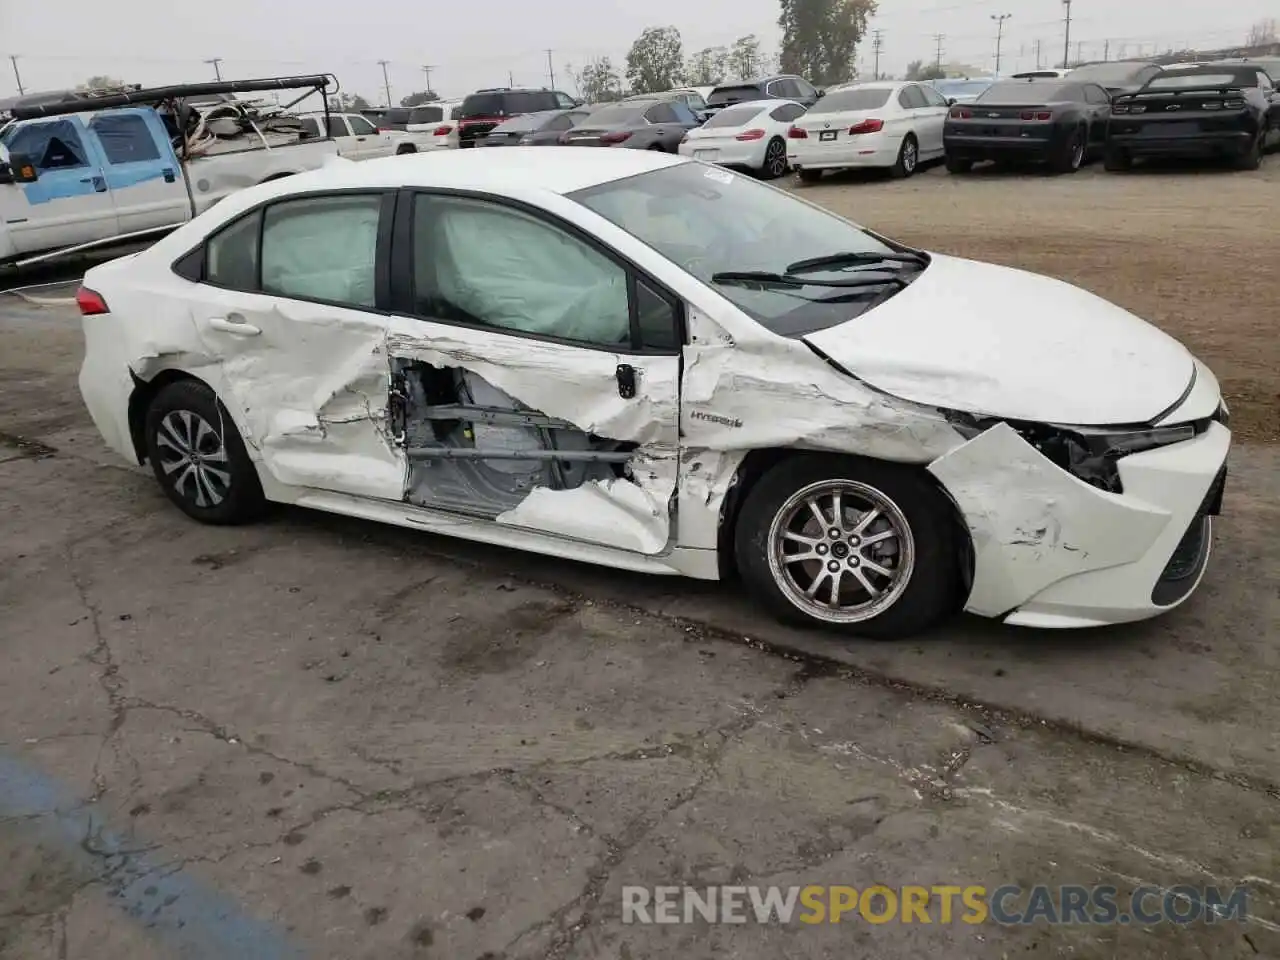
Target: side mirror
951	101
821	93
21	169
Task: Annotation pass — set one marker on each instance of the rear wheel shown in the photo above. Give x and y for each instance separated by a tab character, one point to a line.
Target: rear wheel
809	176
1070	155
908	158
861	545
1251	159
775	159
956	165
405	148
198	458
1116	160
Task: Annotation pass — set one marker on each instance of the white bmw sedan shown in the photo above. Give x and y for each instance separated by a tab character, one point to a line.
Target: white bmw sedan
750	135
634	359
887	124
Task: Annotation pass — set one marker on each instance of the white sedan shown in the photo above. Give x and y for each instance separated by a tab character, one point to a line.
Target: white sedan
634	359
889	125
751	135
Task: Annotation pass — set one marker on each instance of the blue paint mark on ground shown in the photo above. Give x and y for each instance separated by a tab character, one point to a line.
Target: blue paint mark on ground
195	921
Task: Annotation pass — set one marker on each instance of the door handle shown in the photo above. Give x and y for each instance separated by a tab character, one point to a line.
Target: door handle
234	323
360	139
99	183
626	377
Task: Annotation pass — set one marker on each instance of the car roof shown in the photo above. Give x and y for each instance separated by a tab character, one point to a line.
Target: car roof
873	85
544	169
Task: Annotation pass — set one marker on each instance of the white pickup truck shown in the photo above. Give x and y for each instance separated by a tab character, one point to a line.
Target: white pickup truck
88	171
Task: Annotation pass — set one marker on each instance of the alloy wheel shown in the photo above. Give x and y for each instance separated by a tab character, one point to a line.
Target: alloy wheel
193	457
775	159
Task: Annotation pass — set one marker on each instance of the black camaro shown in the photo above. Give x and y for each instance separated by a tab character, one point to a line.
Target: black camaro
1054	121
1211	110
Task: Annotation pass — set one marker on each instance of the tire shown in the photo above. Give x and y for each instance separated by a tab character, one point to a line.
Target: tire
908	158
223	488
775	159
1070	157
405	148
1116	160
1250	159
809	176
924	585
956	165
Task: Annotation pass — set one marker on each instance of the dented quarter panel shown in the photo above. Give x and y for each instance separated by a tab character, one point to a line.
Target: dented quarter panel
578	385
1033	524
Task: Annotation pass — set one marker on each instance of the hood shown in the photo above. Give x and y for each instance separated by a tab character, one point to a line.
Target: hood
1007	343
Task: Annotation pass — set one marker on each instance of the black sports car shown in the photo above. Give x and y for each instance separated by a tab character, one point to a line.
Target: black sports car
1211	110
1058	122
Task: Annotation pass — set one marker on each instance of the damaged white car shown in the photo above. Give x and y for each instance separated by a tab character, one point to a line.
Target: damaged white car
642	361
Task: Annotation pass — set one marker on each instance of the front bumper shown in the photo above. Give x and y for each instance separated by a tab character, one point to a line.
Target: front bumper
1053	551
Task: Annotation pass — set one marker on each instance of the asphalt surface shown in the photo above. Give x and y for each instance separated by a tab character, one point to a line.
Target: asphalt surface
326	738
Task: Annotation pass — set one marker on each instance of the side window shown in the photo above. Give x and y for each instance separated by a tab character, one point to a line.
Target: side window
485	264
55	145
683	113
915	97
426	115
322	248
337	127
695	101
1095	95
932	97
776	88
125	138
231	254
661	113
787	112
562	122
1264	81
310	127
656	317
360	126
806	90
564	101
904	98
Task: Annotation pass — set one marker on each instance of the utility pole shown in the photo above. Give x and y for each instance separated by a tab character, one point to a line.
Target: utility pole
937	62
1106	51
511	80
426	70
16	75
1066	40
215	62
999	18
1079	53
877	43
551	70
386	82
1037	54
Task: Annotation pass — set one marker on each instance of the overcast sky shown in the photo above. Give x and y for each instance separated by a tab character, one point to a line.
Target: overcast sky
485	43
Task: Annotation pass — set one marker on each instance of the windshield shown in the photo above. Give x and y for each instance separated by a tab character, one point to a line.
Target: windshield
616	116
858	98
710	221
960	88
733	117
1026	91
1184	81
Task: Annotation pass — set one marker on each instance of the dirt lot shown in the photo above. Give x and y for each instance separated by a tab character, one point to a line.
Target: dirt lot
318	737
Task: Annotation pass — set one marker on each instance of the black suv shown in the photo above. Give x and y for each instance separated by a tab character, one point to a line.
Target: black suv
782	86
485	109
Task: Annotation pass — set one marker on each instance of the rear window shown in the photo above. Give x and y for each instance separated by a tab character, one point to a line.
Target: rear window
527	121
859	98
1185	80
1034	91
733	94
960	88
611	116
1105	73
507	103
394	119
734	117
426	115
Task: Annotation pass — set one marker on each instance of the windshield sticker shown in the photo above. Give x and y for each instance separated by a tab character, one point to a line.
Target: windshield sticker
718	175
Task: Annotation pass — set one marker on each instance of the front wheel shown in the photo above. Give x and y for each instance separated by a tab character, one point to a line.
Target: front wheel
845	542
775	159
198	457
908	158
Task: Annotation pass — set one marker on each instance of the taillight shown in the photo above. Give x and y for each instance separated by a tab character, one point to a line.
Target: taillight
958	113
1036	115
443	131
750	135
91	303
617	136
867	126
797	133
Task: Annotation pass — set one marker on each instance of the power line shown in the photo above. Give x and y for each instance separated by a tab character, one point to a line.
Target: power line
16	75
386	81
215	62
999	18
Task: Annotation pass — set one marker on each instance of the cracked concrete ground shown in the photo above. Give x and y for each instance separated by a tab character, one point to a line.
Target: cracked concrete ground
318	737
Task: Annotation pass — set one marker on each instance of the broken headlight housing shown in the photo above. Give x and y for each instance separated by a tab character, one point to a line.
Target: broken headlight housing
1087	453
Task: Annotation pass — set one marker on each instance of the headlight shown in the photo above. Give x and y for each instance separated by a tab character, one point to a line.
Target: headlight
1087	453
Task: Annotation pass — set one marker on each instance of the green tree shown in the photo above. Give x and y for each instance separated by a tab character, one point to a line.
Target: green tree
100	83
707	67
919	70
656	60
352	102
744	57
820	37
597	81
422	96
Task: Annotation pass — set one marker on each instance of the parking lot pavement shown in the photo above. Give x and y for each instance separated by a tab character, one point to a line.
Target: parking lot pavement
320	737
